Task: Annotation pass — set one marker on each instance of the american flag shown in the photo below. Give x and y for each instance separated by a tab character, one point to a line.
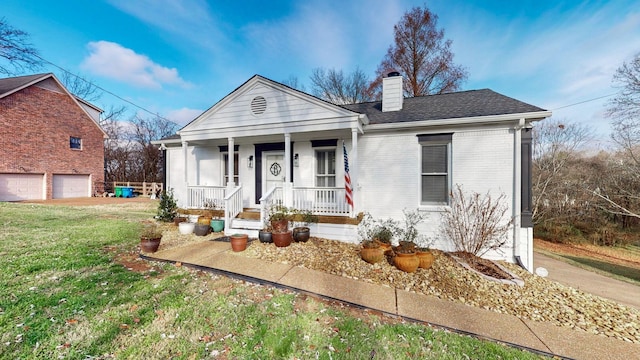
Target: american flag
347	178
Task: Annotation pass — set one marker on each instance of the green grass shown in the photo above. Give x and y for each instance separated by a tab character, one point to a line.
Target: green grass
62	295
618	271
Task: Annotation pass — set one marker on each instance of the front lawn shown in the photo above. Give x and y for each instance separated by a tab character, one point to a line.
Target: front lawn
71	287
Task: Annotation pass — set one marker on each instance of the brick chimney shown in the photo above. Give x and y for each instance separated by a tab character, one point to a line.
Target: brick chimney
392	92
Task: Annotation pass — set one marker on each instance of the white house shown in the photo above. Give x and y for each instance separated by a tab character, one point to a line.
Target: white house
408	153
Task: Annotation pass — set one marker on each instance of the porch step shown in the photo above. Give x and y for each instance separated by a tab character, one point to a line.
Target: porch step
244	226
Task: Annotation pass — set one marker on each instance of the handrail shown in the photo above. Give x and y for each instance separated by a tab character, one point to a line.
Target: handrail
232	206
267	200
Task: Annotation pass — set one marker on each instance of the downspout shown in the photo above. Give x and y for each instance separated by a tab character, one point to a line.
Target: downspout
517	190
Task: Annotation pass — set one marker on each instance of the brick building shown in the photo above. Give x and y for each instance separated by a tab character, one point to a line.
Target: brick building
51	143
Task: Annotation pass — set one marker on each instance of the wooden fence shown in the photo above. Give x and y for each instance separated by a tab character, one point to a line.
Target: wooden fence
142	188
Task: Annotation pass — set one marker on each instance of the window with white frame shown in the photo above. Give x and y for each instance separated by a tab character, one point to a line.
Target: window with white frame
75	143
435	168
236	178
326	167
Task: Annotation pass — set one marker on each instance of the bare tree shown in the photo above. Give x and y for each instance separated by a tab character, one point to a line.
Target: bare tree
80	87
16	49
422	55
337	88
627	104
146	130
555	144
293	82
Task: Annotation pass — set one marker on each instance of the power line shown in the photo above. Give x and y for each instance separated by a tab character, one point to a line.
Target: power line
585	101
103	89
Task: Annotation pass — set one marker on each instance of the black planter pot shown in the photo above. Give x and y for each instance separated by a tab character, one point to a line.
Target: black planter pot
265	237
301	234
201	229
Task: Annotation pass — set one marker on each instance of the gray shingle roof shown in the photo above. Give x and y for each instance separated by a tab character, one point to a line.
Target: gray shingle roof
462	104
12	83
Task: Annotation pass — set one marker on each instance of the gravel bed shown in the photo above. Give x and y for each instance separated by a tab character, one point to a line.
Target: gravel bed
539	299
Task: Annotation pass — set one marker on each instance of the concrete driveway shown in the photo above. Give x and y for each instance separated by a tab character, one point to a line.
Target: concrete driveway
619	291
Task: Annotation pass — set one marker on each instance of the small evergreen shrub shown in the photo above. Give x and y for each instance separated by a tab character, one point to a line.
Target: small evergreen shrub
167	208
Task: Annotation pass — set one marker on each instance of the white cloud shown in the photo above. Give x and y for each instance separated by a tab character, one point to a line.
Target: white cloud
183	116
114	61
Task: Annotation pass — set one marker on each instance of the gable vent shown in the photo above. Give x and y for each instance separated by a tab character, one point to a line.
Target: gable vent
258	105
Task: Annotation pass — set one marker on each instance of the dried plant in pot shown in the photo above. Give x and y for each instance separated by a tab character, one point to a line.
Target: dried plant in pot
279	217
150	238
426	257
371	252
405	257
265	235
301	219
282	238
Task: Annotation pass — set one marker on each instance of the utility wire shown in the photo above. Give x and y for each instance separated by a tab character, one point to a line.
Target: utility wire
103	89
585	101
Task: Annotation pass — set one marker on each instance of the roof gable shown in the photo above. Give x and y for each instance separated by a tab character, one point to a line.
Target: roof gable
49	81
262	106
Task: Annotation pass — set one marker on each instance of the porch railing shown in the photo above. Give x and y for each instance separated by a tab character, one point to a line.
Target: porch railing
232	206
201	197
321	201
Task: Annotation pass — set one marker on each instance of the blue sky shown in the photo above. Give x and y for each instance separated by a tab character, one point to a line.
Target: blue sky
178	58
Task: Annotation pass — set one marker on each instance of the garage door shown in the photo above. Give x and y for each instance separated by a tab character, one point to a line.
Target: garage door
17	187
70	186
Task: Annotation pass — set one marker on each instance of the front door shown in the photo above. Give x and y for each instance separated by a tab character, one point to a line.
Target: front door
273	170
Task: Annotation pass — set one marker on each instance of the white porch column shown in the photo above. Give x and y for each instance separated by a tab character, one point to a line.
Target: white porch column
186	161
231	155
353	171
287	187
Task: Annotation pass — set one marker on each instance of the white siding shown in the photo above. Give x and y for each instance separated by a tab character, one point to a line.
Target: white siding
389	170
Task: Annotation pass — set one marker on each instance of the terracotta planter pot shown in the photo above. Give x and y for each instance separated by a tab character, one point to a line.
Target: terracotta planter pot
372	255
265	236
426	259
282	239
186	228
239	242
149	245
406	262
204	220
386	247
201	229
301	234
280	225
178	219
217	225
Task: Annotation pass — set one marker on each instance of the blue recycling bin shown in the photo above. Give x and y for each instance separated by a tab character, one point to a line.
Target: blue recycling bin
127	192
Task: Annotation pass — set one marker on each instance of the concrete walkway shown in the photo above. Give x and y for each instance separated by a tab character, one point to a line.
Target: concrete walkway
619	291
531	335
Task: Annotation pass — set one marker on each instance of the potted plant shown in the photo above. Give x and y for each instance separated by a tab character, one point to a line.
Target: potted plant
302	218
186	227
279	217
265	235
201	229
405	257
150	238
217	224
426	257
371	252
383	235
239	242
282	238
178	219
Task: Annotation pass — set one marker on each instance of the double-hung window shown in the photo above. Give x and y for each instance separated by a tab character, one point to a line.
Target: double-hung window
326	167
435	169
235	167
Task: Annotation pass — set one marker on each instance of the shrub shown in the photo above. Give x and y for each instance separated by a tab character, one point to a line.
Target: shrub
474	223
167	208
